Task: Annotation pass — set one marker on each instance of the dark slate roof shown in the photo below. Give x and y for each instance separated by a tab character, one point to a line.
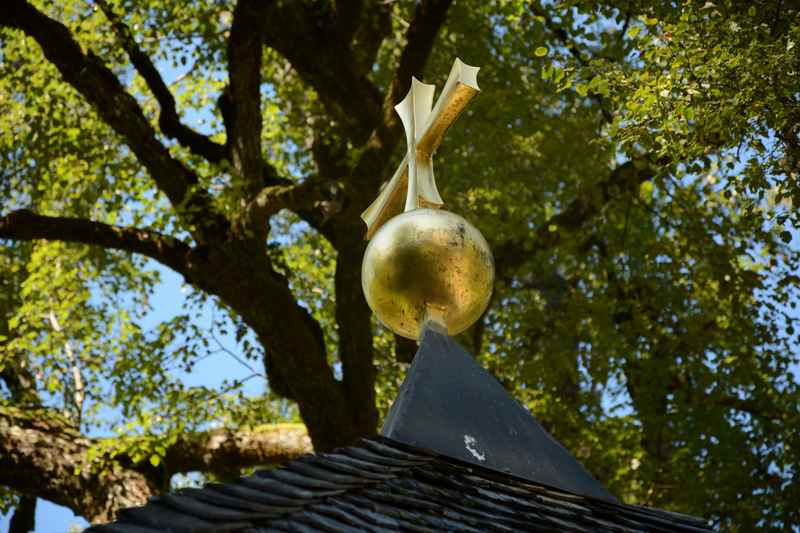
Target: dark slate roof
383	485
449	404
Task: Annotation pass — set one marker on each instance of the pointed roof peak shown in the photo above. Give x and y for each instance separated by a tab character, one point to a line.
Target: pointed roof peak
450	405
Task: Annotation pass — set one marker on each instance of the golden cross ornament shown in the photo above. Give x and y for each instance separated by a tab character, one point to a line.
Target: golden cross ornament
424	263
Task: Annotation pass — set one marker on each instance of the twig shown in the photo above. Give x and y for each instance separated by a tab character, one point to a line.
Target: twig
79	394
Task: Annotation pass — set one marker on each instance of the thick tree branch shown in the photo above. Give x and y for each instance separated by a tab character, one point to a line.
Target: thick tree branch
293	341
243	121
429	16
43	455
337	50
24	518
239	272
364	25
21	383
168	120
353	318
24	225
313	194
324	59
40	453
91	78
225	452
346	17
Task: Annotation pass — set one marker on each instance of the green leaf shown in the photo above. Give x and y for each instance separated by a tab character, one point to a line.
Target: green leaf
540	51
646	190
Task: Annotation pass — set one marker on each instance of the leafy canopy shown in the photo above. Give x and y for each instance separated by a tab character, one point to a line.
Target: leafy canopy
634	166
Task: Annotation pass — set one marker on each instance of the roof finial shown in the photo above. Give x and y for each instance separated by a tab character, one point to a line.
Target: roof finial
425	264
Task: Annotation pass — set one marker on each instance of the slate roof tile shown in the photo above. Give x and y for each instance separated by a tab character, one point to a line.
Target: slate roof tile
383	485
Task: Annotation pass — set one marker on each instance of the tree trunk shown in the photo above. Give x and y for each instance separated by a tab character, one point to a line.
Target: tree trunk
24	518
336	413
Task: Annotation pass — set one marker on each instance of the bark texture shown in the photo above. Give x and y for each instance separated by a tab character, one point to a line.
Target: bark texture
43	455
40	453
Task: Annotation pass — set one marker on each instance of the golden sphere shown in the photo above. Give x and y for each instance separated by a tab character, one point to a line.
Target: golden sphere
427	259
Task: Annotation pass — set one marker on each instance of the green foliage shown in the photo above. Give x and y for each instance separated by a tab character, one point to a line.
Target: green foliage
656	339
8	500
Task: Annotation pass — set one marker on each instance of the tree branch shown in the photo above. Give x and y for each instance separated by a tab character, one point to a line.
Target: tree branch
243	121
225	452
168	119
92	79
42	454
364	25
16	374
293	341
353	317
324	59
429	16
346	17
25	225
311	195
21	383
24	518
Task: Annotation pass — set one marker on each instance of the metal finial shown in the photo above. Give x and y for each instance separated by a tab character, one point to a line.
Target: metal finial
425	130
425	264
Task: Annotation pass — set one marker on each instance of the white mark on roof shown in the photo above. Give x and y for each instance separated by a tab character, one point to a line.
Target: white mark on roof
470	442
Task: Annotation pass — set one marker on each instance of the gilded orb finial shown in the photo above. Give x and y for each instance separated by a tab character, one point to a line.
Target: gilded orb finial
424	263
